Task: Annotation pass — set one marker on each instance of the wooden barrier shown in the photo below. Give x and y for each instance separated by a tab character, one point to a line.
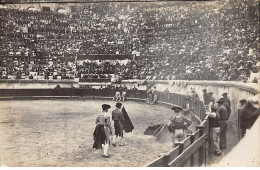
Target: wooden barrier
181	159
185	152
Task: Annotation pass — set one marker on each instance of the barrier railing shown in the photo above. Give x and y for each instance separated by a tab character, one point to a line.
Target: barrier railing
168	98
95	80
190	152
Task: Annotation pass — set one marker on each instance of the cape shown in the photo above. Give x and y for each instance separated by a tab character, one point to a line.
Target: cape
128	125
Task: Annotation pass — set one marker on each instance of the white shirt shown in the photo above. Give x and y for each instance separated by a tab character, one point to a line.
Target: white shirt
211	114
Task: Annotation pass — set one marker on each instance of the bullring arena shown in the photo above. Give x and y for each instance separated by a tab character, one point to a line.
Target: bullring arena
59	133
59	62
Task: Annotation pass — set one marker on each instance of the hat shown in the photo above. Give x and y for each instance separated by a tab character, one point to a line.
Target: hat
221	100
118	104
224	94
176	107
243	101
213	108
105	106
204	90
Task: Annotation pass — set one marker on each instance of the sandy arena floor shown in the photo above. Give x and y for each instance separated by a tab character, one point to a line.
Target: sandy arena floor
59	133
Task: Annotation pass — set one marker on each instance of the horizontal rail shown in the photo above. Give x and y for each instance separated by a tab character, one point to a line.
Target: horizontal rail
186	154
157	163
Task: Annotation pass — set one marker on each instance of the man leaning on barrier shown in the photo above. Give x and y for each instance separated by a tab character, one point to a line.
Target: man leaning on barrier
178	124
214	124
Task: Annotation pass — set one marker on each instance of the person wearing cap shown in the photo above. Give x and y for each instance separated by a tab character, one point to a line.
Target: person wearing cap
242	102
223	114
211	99
226	99
205	97
242	130
178	124
103	131
214	124
118	118
194	94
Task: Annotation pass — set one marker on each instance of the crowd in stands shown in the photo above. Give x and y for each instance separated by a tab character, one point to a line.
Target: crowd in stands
173	40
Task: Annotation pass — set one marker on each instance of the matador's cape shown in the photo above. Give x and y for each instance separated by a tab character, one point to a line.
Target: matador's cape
128	125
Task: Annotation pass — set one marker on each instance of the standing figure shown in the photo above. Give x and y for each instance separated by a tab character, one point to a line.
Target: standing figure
242	130
178	124
123	95
214	124
194	94
226	99
205	97
211	99
150	94
103	131
167	94
223	114
118	119
249	113
154	96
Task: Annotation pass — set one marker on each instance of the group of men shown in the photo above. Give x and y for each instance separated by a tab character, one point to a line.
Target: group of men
120	97
152	95
218	120
103	134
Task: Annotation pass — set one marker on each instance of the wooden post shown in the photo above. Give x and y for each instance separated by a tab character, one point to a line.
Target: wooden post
166	159
181	146
202	148
192	138
207	143
201	129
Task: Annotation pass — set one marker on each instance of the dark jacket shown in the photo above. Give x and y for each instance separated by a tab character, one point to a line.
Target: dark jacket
214	122
223	113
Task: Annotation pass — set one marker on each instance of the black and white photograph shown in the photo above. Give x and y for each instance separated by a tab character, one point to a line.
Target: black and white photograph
129	83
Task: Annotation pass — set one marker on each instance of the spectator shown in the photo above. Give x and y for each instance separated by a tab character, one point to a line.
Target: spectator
194	94
223	113
205	97
214	124
211	98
